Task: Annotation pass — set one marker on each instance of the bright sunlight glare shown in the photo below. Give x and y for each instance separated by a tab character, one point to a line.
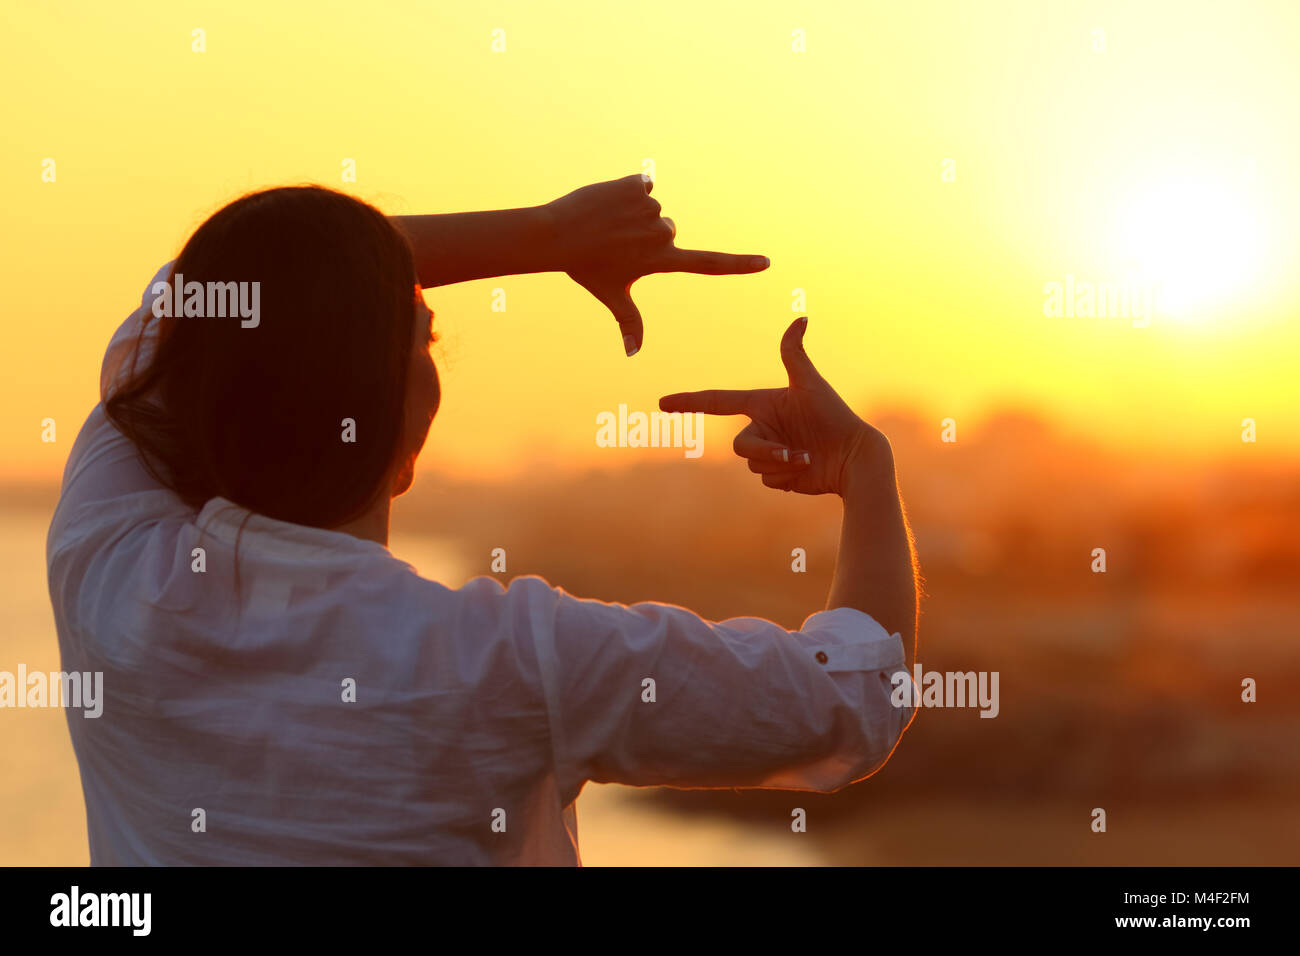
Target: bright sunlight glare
1196	243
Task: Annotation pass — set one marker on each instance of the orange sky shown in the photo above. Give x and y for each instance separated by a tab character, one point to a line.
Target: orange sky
1162	149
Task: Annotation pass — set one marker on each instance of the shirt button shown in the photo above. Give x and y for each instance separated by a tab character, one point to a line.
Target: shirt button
821	657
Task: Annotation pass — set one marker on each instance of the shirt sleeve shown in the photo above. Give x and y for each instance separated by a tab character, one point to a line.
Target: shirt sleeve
132	345
103	465
655	695
99	443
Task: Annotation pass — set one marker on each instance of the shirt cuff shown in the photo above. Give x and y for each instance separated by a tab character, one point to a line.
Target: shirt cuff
846	639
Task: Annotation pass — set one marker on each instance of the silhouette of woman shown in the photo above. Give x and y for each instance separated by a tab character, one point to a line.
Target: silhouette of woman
278	688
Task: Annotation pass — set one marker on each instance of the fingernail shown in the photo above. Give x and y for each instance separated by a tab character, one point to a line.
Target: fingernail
781	454
759	262
629	344
803	319
807	459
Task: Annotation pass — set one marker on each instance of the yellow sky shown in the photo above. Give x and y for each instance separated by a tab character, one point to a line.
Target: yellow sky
1165	145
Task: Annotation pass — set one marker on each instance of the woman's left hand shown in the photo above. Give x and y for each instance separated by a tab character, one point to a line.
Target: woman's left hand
610	234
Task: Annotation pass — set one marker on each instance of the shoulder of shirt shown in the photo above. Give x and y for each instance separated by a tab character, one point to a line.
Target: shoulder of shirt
146	300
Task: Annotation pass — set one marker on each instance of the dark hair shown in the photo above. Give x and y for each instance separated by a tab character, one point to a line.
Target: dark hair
255	414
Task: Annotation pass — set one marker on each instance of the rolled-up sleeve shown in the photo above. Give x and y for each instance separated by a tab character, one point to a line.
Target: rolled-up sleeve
103	466
131	347
653	694
102	463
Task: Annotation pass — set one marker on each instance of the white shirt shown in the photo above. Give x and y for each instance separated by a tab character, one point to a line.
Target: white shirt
479	713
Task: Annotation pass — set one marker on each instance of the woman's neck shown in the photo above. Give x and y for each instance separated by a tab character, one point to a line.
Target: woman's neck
371	525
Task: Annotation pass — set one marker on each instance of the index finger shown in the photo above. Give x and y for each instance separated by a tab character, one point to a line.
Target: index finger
711	263
712	401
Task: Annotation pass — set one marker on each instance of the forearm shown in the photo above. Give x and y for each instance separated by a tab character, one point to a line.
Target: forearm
876	568
460	246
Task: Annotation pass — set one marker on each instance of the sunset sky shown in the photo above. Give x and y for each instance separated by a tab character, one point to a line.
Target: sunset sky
1163	149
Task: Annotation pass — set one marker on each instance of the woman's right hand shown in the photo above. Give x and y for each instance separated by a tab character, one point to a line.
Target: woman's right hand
800	438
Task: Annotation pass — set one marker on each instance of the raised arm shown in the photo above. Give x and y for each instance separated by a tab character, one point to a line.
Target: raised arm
804	438
604	236
876	568
463	246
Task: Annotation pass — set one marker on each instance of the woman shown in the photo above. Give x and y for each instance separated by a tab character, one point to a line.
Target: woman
279	689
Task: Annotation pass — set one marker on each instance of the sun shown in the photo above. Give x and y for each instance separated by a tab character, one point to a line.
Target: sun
1195	243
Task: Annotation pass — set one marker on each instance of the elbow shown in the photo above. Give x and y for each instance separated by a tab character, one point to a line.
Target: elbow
859	752
879	741
878	731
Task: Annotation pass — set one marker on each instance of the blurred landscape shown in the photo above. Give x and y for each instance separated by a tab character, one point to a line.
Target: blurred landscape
927	180
1119	690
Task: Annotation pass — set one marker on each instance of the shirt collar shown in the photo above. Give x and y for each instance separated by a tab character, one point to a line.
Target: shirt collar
228	522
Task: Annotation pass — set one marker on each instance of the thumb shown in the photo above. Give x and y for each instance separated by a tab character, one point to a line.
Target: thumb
797	363
618	299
